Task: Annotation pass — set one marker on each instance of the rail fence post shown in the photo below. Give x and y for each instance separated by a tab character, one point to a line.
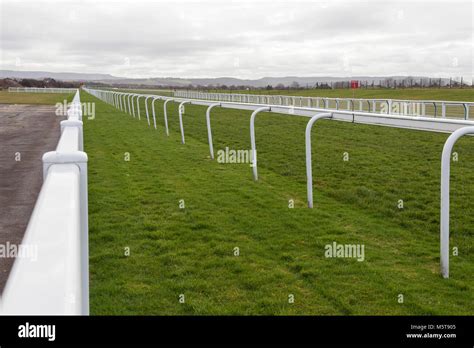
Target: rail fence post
180	114
129	109
138	105
166	115
153	109
78	158
146	109
133	105
124	97
252	139
209	131
445	176
77	124
309	168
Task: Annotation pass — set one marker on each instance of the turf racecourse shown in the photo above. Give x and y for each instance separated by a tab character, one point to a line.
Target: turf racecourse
135	204
34	98
462	94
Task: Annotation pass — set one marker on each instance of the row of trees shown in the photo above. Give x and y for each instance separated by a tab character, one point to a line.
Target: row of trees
48	83
406	83
385	83
382	83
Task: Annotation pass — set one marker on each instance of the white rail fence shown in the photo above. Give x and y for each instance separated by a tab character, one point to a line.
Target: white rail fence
56	281
125	102
433	108
41	90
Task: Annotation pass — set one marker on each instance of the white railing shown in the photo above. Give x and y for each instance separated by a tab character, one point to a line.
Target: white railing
425	108
41	90
130	101
56	280
124	101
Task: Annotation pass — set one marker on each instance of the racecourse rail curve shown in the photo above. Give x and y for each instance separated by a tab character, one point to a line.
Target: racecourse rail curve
125	102
438	108
56	281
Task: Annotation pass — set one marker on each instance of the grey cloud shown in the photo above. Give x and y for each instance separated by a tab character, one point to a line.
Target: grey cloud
246	39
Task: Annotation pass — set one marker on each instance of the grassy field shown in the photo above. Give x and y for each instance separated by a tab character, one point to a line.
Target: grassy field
33	98
135	204
462	94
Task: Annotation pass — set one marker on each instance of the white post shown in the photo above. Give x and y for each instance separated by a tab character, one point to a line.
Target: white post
146	109
124	97
445	176
153	109
138	105
78	158
309	169
74	123
209	132
133	105
166	115
466	111
252	139
180	113
129	109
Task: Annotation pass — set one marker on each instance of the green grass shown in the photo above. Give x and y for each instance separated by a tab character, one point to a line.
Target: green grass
189	251
33	98
460	94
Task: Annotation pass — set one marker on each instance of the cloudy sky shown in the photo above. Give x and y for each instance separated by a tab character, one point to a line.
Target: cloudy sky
246	39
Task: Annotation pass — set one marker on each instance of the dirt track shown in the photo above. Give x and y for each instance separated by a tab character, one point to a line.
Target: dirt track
29	130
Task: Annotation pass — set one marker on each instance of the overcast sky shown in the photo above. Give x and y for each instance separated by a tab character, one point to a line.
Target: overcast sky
246	39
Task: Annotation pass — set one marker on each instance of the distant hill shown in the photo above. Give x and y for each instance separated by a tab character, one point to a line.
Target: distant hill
262	82
204	82
64	76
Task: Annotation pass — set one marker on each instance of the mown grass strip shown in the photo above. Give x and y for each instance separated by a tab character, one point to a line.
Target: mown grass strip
190	251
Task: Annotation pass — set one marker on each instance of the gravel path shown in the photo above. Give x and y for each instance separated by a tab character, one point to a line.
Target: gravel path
27	131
